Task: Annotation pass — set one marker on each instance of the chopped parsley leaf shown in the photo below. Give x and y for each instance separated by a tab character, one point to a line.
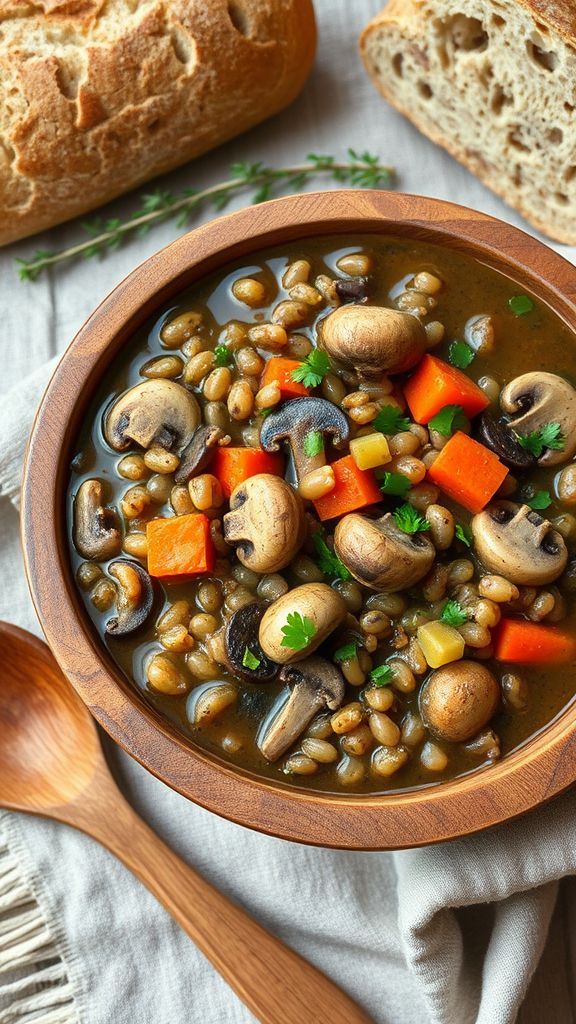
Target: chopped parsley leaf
550	436
298	631
539	500
327	560
453	614
449	419
313	443
250	660
347	652
222	356
460	354
409	520
312	370
396	484
381	676
464	533
390	420
521	304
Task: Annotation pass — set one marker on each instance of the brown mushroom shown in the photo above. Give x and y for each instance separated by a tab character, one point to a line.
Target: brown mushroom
134	597
241	636
514	541
315	684
265	522
497	434
373	340
294	420
458	700
96	531
198	453
159	412
379	554
535	399
319	604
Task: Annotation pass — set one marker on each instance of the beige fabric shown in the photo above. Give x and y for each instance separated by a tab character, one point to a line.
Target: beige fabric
447	935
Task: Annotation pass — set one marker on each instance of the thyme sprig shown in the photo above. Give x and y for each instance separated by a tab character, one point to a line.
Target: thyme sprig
361	170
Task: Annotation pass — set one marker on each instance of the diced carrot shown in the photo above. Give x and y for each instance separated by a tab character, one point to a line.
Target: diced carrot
531	643
232	466
467	472
354	489
180	546
278	370
435	384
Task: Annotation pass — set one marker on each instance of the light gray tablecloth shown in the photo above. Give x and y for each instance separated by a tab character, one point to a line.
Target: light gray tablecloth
78	936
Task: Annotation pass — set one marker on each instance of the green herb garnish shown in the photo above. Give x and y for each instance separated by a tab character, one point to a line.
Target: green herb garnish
327	560
449	419
550	436
390	420
395	484
362	170
409	520
460	354
313	443
347	652
540	500
222	356
250	660
521	304
381	676
312	370
453	614
464	533
298	631
265	412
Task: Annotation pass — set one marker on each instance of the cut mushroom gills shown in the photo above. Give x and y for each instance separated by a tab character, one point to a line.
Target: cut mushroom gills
336	530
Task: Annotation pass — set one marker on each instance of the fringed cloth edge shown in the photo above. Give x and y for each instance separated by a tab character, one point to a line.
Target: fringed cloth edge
34	983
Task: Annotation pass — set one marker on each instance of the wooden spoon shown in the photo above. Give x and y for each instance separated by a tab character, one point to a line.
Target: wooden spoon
51	763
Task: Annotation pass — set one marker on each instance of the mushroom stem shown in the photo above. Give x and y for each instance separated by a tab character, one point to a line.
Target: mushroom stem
316	684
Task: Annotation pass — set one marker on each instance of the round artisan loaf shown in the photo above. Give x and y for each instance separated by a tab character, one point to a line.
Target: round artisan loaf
101	95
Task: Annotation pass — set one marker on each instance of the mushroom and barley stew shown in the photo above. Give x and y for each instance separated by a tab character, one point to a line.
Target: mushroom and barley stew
323	514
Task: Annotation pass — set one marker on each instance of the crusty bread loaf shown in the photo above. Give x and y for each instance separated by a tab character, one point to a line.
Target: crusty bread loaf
98	96
494	82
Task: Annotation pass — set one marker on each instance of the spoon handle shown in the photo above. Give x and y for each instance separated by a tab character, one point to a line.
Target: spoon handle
274	982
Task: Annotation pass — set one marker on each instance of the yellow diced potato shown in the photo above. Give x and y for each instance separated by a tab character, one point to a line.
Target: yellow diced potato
440	643
370	451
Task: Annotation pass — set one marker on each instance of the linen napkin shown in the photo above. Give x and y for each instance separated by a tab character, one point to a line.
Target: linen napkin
444	935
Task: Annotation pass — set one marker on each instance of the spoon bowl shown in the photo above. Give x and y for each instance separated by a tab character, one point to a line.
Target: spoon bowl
51	763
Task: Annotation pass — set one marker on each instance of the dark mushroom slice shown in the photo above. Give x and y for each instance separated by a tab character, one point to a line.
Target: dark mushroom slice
299	417
134	597
354	289
241	636
498	435
266	523
316	684
372	340
380	555
458	700
96	531
535	399
159	412
516	542
198	453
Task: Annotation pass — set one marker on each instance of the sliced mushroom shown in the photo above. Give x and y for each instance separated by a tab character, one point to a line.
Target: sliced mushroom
159	412
514	541
96	528
241	636
374	340
315	684
535	399
352	289
380	555
498	435
297	418
318	603
134	597
266	522
458	700
198	453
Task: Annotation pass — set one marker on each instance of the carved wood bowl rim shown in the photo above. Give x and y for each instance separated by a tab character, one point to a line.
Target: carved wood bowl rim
531	775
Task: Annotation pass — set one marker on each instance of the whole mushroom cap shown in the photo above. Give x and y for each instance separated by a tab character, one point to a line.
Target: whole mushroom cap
315	601
380	555
158	412
458	700
265	522
373	340
516	542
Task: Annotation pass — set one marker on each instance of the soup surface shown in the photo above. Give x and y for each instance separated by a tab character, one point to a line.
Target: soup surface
320	514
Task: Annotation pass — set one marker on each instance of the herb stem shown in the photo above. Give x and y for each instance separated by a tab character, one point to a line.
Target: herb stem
362	170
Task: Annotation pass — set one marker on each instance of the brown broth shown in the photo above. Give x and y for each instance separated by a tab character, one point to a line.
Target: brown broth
538	340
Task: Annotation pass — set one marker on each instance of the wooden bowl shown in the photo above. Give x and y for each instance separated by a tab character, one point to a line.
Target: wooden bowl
533	774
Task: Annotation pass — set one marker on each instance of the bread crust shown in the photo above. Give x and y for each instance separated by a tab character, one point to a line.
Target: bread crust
102	96
557	15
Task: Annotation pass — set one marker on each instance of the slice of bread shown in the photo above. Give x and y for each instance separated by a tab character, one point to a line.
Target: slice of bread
494	83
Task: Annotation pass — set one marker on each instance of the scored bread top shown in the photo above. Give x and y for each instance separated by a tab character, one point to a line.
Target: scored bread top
100	95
